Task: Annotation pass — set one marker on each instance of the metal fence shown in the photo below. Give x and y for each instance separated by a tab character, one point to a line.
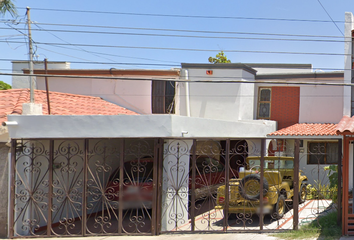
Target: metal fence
150	186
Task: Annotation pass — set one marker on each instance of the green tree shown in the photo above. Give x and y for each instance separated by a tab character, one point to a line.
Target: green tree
8	6
220	58
4	86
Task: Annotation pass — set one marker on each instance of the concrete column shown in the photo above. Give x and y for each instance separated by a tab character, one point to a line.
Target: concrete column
175	181
348	27
31	109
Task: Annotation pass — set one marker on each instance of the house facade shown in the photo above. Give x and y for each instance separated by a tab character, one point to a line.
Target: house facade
221	114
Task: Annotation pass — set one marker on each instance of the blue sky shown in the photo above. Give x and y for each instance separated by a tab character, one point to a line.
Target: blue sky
123	29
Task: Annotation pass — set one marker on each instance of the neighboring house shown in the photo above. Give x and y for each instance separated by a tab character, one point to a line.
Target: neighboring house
141	90
19	81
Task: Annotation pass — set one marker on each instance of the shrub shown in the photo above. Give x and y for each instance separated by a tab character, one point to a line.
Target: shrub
321	191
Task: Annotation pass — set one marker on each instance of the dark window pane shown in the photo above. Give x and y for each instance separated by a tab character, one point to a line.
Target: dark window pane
264	110
264	95
169	98
316	159
332	153
317	153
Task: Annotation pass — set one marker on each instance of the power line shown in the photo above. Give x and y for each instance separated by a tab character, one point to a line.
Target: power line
181	16
108	54
79	48
330	17
185	36
233	80
189	31
177	65
181	49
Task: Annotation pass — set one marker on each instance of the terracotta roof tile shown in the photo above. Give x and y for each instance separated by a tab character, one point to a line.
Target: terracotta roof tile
60	104
346	125
307	129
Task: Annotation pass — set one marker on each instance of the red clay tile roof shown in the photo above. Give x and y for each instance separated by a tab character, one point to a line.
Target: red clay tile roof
60	104
346	125
307	129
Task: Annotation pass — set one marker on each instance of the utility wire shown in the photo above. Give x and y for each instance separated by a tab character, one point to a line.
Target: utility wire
112	55
189	31
11	36
330	17
183	36
79	48
87	51
182	49
180	16
303	81
177	65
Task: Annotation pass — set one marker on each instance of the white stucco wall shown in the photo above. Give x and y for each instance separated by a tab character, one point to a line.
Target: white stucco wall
131	94
223	101
348	45
321	104
23	82
216	100
135	126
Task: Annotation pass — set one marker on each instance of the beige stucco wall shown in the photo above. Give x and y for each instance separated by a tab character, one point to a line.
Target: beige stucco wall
131	94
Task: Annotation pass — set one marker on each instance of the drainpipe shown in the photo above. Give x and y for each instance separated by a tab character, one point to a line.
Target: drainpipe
188	109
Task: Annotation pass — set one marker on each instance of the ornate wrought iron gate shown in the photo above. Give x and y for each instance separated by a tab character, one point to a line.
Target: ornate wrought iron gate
83	187
198	180
148	186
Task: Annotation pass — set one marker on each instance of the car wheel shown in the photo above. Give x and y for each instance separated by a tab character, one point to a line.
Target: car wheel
302	193
249	187
279	208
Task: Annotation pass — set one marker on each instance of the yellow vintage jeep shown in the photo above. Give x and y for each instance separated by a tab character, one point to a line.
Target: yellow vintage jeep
244	192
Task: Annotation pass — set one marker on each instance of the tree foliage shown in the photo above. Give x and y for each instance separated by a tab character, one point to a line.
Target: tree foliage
220	58
4	86
8	6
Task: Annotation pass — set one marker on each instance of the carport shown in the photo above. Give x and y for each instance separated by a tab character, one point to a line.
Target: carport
61	180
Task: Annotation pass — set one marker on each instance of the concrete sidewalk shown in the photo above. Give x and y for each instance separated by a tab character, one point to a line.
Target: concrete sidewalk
197	236
347	238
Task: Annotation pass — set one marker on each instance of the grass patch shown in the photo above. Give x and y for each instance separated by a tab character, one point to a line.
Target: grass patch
325	227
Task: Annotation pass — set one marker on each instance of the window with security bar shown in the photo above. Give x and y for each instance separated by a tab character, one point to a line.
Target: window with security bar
322	152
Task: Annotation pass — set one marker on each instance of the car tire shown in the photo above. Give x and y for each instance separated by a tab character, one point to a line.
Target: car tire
279	208
302	193
252	194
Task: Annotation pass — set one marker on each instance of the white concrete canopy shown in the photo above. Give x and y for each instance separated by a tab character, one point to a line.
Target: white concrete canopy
137	126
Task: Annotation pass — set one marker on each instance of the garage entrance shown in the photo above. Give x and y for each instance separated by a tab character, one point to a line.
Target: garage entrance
89	187
83	187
